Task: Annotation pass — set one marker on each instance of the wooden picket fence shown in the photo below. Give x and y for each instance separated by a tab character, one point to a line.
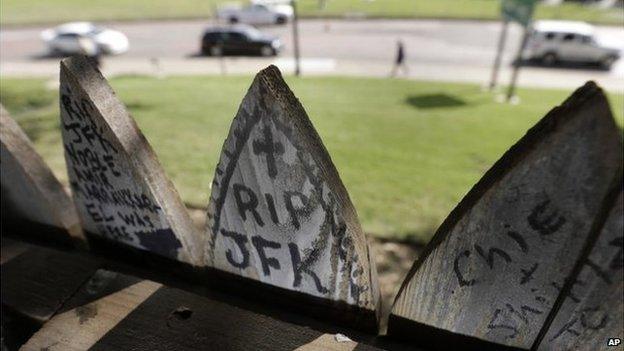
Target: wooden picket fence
531	258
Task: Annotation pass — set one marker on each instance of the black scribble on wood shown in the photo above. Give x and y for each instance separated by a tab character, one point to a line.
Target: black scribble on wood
522	313
489	258
618	260
527	275
270	148
571	295
241	241
493	324
593	318
567	328
525	308
267	262
599	272
519	240
86	312
161	241
272	211
247	203
460	277
228	154
300	267
544	220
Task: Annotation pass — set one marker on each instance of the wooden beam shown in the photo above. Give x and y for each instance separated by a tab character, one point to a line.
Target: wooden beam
121	191
148	316
38	282
84	326
278	211
495	267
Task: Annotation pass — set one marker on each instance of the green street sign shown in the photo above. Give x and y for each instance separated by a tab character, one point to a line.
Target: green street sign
519	11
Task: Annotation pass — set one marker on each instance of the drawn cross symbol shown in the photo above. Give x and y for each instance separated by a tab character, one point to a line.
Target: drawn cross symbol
270	148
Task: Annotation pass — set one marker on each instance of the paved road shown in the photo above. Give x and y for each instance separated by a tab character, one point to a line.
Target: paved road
441	50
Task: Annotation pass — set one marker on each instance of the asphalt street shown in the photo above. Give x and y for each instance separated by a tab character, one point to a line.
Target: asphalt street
435	50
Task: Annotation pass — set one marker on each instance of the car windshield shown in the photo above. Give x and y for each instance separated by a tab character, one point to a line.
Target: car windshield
96	31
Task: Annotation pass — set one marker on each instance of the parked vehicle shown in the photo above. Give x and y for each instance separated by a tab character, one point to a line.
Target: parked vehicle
556	41
239	40
256	13
66	39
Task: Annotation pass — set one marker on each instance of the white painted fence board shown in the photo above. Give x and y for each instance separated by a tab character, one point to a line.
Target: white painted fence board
495	266
278	212
121	191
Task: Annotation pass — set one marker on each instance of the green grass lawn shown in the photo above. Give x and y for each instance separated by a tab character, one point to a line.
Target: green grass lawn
46	11
407	151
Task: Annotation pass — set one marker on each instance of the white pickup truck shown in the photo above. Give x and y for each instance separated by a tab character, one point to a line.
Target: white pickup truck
256	13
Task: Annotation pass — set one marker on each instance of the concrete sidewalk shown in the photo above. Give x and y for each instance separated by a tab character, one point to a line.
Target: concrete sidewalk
529	76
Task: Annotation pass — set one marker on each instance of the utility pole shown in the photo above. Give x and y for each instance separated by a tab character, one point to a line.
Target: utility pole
516	64
295	24
499	54
520	11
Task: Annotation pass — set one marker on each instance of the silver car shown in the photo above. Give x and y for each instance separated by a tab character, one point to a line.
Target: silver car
555	41
68	39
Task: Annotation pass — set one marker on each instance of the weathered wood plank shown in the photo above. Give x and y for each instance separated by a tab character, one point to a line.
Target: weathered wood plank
147	316
593	311
175	320
30	191
84	326
494	268
121	191
37	283
9	249
278	212
102	283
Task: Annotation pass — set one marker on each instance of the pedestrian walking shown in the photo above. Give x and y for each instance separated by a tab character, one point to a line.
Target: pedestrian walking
399	62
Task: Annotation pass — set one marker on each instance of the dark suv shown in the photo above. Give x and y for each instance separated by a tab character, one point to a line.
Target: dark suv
238	40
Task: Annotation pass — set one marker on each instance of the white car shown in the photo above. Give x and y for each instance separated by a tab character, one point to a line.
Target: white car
256	13
554	41
66	39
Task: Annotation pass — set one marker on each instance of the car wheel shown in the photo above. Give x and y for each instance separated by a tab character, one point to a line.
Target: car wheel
267	51
608	61
280	20
215	51
233	20
549	59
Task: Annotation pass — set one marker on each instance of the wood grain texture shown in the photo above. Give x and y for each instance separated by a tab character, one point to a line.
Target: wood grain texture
328	342
9	249
101	284
593	310
82	327
30	191
37	283
120	189
278	212
176	320
494	268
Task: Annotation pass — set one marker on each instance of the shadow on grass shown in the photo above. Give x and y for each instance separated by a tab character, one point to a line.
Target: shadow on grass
435	101
135	106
